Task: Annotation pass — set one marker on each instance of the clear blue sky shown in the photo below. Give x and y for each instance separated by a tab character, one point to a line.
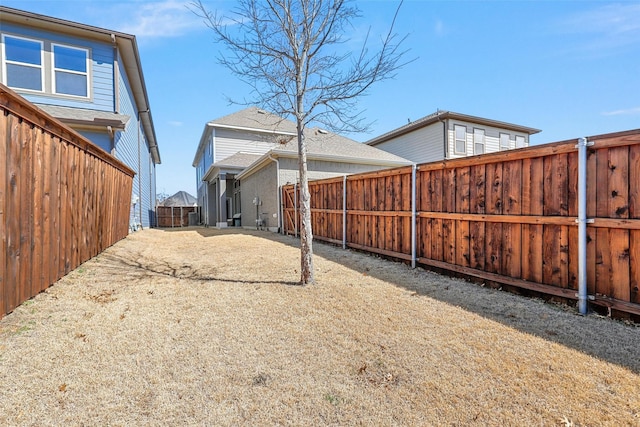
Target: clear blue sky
570	68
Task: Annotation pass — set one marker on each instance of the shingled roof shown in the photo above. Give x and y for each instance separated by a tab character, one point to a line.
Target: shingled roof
255	119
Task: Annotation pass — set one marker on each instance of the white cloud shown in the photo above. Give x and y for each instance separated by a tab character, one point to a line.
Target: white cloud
438	28
175	123
625	112
167	18
610	26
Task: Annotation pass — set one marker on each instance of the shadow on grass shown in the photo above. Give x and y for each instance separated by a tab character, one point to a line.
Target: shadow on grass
594	335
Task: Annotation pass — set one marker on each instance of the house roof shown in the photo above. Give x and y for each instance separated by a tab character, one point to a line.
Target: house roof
326	146
81	116
255	119
442	115
181	198
127	46
250	119
236	162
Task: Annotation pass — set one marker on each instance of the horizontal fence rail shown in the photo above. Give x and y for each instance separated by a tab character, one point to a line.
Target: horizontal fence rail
62	200
508	217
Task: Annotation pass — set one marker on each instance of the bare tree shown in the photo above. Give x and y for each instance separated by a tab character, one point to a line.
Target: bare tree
293	55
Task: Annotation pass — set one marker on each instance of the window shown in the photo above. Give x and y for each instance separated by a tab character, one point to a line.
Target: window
505	142
70	75
460	146
478	141
23	63
520	141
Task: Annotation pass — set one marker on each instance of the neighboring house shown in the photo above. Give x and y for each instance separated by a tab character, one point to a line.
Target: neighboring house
245	157
180	199
251	132
90	79
449	135
328	155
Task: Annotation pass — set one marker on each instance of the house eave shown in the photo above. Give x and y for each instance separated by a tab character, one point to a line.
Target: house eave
128	50
266	158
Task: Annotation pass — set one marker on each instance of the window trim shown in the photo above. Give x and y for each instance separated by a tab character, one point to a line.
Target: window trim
455	139
502	147
64	70
483	143
5	61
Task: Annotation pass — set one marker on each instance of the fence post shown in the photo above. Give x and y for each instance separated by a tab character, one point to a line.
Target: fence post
413	216
344	212
582	224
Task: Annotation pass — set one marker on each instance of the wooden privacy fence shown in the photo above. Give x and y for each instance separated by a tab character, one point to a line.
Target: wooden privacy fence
62	200
176	216
507	217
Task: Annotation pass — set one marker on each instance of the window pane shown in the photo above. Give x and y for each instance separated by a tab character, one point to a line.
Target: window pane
71	84
69	58
504	140
520	141
23	77
479	148
20	50
460	132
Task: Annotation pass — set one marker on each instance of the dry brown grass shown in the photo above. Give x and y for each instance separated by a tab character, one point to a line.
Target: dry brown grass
205	327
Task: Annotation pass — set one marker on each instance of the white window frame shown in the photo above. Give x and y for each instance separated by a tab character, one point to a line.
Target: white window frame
5	61
64	70
456	139
502	146
523	139
477	132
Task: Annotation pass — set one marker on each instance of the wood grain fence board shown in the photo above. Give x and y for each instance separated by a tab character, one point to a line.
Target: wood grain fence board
4	142
449	190
493	231
634	261
634	181
572	181
13	221
591	261
602	183
37	269
618	181
477	189
573	258
26	206
477	244
54	194
620	268
603	262
533	186
532	263
512	196
592	178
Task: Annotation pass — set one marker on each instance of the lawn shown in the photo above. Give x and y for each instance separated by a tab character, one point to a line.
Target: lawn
208	327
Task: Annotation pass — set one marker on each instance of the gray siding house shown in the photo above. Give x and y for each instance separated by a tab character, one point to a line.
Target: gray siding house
328	155
90	79
244	158
450	135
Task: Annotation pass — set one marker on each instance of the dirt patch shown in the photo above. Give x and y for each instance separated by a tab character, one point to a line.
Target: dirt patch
207	327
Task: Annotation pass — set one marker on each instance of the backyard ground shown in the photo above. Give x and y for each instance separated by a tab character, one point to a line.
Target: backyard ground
207	327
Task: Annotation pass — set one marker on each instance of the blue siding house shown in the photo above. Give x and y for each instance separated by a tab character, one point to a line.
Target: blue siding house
90	79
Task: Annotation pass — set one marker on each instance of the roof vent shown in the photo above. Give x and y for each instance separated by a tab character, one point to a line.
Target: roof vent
322	131
262	112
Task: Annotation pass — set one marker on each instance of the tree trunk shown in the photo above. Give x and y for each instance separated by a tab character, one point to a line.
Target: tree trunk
306	234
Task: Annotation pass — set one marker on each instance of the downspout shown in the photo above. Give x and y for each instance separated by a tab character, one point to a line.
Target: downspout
444	135
582	224
280	214
116	76
140	167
